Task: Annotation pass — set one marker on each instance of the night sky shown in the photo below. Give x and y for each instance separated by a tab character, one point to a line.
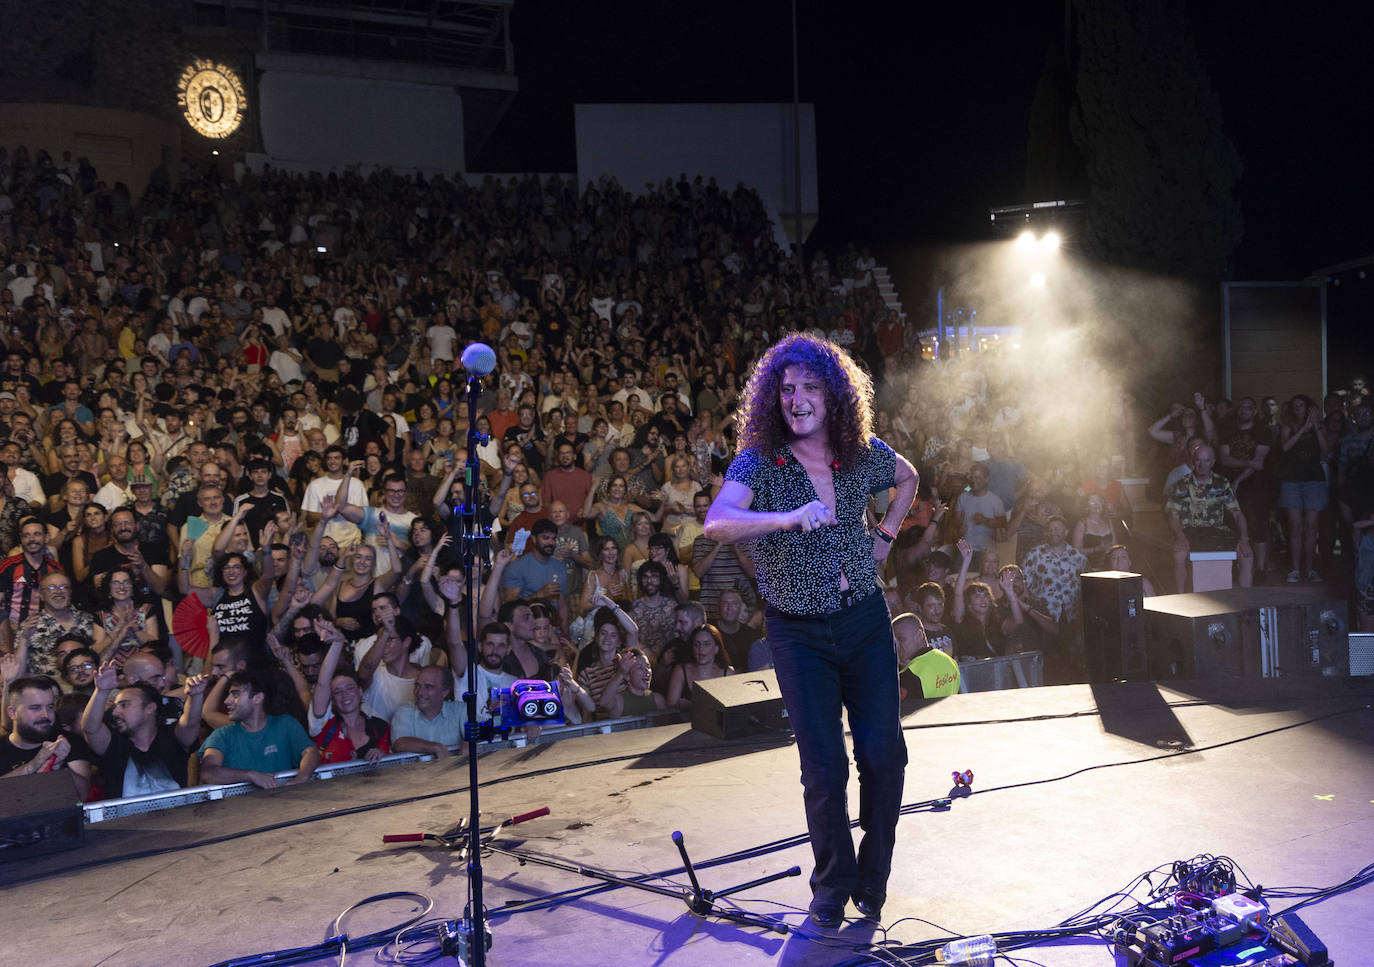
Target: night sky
922	110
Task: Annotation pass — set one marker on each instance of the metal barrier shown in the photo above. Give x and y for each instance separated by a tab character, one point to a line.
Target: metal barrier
154	802
1023	670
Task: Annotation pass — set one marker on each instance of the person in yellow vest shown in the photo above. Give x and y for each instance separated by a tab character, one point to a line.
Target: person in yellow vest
923	671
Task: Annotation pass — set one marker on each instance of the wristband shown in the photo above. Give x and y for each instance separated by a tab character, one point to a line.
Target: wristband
884	533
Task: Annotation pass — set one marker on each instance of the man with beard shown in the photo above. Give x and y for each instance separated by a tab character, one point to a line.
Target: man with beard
538	573
35	743
654	612
20	576
493	645
78	665
140	754
145	563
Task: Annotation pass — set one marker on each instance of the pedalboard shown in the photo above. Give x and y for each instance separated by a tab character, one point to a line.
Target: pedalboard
1233	930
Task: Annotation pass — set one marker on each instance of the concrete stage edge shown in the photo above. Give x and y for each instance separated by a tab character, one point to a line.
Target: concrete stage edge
1282	782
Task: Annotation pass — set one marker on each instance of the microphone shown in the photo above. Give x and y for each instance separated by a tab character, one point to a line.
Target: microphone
478	359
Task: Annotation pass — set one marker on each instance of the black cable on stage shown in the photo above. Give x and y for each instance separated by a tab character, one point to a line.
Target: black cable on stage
338	942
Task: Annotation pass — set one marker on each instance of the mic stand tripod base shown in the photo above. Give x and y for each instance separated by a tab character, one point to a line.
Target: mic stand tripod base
701	903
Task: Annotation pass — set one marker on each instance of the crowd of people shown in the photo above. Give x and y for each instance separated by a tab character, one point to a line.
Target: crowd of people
234	433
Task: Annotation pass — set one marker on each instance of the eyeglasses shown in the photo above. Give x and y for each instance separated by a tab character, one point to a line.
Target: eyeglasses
73	666
57	587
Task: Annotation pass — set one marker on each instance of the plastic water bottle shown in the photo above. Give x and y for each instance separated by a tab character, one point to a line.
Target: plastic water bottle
970	951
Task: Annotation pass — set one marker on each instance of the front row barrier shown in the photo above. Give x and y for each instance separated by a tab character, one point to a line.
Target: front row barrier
153	802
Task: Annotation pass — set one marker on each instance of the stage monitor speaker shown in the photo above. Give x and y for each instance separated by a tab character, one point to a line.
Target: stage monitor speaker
39	814
1113	626
1268	632
738	705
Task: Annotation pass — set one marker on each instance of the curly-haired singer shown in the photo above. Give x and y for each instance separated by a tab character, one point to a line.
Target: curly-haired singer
798	489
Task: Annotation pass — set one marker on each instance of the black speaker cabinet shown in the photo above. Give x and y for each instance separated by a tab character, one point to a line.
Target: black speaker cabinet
738	705
39	814
1114	626
1271	632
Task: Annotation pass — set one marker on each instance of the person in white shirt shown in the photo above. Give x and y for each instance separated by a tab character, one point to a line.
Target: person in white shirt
286	360
442	338
117	492
275	317
337	471
26	485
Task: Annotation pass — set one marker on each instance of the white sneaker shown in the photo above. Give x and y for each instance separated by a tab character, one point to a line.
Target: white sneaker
1313	577
1293	577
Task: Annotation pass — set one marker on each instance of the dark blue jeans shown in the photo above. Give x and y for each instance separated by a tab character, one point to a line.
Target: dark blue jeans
844	660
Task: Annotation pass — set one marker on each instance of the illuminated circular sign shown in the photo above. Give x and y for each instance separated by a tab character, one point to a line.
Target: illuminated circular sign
211	98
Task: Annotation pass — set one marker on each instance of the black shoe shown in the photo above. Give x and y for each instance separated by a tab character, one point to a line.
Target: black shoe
869	905
826	915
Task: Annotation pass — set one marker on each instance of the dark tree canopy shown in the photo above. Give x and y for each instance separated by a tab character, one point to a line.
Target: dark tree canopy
1162	173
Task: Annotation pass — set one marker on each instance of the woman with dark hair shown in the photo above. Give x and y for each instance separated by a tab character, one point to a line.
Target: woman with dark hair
1303	493
350	734
709	660
122	625
609	506
441	451
979	630
799	490
425	427
1095	532
241	606
675	583
599	668
445	402
608	576
307	467
91	537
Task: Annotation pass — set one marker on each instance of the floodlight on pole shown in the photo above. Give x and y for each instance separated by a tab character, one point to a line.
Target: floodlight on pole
1026	240
1050	242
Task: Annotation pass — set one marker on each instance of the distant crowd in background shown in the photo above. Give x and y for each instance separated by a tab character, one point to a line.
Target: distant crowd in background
233	430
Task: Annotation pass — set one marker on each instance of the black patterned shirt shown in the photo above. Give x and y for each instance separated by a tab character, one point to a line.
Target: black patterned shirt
799	571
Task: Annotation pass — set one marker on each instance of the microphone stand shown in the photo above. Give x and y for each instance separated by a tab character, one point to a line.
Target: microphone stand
475	541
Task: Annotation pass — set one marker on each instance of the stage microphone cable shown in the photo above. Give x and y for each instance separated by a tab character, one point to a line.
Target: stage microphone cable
339	942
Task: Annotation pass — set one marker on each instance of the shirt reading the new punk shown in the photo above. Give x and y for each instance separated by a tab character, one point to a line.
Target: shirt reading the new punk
799	571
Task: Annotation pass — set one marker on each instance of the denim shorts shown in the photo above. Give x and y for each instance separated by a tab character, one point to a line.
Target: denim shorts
1304	495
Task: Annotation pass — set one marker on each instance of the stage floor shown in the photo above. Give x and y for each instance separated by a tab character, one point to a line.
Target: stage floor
1282	782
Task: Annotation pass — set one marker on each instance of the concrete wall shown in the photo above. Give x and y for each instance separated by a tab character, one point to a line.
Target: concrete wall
323	114
1275	339
749	143
122	145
